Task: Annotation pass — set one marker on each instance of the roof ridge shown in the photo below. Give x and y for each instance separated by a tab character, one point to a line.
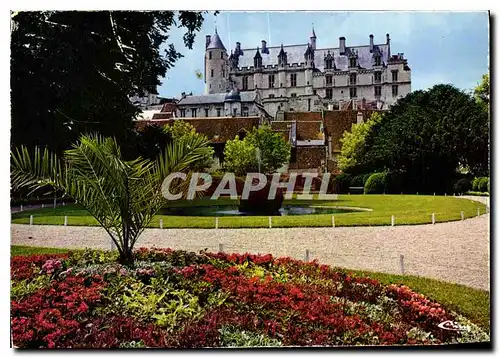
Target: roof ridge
249	49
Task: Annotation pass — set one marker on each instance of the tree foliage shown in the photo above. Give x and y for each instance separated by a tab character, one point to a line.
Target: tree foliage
261	148
353	148
427	135
122	195
240	157
482	91
180	129
72	72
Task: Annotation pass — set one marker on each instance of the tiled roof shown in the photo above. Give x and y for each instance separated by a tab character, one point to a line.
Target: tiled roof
248	96
295	54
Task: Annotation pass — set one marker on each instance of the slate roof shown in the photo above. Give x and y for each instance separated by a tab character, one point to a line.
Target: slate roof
295	54
248	96
215	42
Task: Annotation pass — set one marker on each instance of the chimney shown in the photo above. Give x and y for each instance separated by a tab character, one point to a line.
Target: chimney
342	45
207	41
371	43
264	47
359	118
388	42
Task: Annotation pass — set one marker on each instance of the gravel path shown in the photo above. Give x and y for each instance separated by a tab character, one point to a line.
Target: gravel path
454	252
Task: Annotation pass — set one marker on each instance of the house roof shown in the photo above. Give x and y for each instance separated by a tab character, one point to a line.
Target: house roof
295	54
247	96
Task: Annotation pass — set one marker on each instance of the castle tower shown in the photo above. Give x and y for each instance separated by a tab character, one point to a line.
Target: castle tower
313	39
216	65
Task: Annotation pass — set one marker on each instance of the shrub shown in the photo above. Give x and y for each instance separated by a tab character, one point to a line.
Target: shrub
359	180
484	185
394	182
475	184
342	182
461	186
375	184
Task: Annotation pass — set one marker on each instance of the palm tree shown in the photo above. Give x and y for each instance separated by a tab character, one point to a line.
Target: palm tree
122	195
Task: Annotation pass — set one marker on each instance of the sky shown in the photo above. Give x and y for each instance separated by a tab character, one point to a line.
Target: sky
441	47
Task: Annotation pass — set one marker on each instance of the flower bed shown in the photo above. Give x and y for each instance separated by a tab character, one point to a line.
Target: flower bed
180	299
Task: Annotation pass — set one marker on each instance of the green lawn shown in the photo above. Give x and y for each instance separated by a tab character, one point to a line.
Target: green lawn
470	302
407	209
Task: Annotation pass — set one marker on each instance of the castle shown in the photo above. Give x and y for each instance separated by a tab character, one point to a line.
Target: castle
301	78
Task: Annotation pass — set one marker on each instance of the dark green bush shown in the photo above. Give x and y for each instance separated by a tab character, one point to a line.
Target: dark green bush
462	185
475	184
394	183
375	184
483	185
358	180
342	182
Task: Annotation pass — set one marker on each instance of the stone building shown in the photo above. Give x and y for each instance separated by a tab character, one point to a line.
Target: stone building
231	104
307	78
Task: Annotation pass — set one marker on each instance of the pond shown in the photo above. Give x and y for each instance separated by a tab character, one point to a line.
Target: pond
232	210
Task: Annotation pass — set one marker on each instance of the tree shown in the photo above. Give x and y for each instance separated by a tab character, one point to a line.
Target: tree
72	72
274	150
353	148
482	91
261	148
122	195
427	136
180	129
240	157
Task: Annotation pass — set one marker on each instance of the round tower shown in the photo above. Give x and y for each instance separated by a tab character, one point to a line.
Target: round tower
216	65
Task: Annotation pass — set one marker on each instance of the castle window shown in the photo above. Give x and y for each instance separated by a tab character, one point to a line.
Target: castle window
352	78
209	55
235	112
394	90
352	62
329	64
212	72
244	111
329	80
183	113
293	95
271	81
378	61
271	96
293	79
378	91
314	92
395	76
352	92
193	112
221	55
218	112
329	93
377	77
245	83
206	112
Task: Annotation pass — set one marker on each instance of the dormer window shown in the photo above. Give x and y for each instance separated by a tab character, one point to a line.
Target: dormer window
329	64
352	62
378	61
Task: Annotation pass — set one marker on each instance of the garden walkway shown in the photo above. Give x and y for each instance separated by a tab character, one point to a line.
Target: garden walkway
454	252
